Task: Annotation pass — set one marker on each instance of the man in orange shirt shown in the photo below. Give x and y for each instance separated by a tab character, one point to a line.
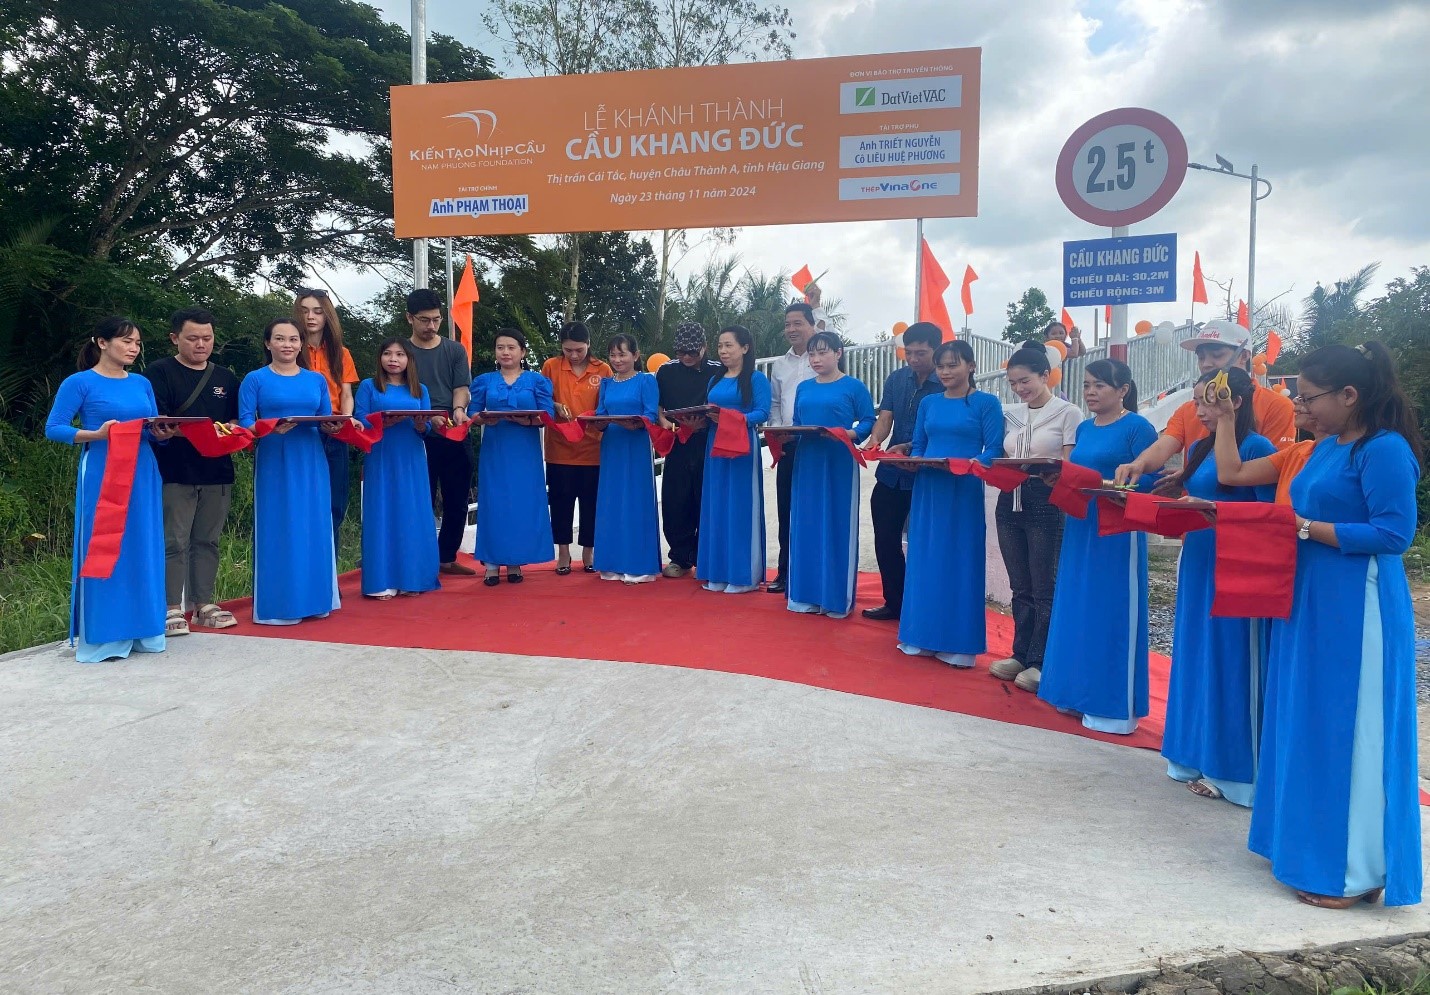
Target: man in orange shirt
573	469
1219	345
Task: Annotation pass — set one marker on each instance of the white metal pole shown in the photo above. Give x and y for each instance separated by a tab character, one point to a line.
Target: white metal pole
1251	256
918	266
1117	341
419	75
451	325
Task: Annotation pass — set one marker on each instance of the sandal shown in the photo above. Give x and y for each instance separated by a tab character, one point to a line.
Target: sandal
492	579
175	624
514	578
1203	788
1337	901
214	617
563	571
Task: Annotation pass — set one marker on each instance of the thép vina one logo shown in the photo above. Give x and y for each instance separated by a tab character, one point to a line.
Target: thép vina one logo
915	185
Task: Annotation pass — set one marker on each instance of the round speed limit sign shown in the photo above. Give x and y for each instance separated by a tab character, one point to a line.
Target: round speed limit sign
1122	167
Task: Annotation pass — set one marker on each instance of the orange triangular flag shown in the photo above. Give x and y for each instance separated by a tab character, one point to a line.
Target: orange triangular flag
1106	315
802	279
1273	347
462	302
1243	318
1066	319
968	277
1199	285
934	283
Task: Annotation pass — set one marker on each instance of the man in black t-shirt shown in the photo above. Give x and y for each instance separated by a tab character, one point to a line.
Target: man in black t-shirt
684	382
444	368
197	489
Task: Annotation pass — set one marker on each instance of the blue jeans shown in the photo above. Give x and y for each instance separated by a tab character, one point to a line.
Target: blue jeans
337	453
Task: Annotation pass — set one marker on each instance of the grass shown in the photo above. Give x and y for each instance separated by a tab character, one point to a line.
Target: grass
35	590
1420	987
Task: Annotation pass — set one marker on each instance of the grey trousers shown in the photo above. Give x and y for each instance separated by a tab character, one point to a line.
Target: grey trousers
194	516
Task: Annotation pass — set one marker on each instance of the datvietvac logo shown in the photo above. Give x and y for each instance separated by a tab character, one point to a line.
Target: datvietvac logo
475	207
917	93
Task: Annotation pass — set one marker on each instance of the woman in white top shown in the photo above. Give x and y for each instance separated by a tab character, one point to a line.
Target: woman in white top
1030	530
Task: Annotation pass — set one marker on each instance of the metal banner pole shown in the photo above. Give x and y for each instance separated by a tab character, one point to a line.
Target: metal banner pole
419	75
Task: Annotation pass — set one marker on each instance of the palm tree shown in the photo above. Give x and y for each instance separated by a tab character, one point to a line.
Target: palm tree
1324	310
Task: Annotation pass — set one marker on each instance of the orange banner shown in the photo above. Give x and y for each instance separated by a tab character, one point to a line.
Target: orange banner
861	138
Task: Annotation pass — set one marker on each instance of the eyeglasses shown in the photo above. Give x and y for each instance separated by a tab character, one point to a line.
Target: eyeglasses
1303	400
312	292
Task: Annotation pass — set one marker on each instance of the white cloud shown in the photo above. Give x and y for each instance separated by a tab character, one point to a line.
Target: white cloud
1330	99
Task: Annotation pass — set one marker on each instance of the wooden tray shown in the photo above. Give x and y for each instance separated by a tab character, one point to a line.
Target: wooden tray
913	462
599	420
408	413
311	419
1196	504
1030	464
176	420
796	430
698	411
490	415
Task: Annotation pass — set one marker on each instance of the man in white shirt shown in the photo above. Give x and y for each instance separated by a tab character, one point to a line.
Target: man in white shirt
786	374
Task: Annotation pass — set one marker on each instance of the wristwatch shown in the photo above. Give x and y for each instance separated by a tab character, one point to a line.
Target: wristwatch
1304	532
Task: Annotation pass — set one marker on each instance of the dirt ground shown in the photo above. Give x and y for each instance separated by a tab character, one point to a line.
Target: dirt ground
1382	965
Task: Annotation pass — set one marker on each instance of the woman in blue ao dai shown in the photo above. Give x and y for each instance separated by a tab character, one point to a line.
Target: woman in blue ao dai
824	515
731	557
1096	660
295	568
626	513
944	602
1337	809
513	518
1212	737
124	612
399	539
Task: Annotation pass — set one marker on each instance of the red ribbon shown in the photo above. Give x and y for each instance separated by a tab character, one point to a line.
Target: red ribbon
662	440
1255	570
362	438
571	431
207	441
776	446
777	449
732	435
1067	492
111	511
1255	560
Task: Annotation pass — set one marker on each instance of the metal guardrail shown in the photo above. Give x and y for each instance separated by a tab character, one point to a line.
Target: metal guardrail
872	363
1156	369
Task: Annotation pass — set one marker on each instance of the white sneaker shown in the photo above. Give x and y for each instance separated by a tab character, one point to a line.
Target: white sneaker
1006	670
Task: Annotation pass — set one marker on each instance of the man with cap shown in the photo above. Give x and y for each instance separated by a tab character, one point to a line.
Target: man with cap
684	382
1219	345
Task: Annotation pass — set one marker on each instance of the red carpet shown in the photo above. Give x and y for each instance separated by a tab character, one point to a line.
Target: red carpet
676	623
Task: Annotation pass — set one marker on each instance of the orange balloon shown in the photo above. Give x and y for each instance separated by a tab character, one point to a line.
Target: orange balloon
1061	347
656	361
900	327
1259	358
1259	369
1143	327
1055	378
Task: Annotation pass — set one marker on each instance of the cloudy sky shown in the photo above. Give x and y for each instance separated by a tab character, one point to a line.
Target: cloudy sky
1331	98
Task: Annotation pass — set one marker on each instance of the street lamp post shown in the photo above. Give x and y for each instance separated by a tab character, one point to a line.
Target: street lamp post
1226	169
419	75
